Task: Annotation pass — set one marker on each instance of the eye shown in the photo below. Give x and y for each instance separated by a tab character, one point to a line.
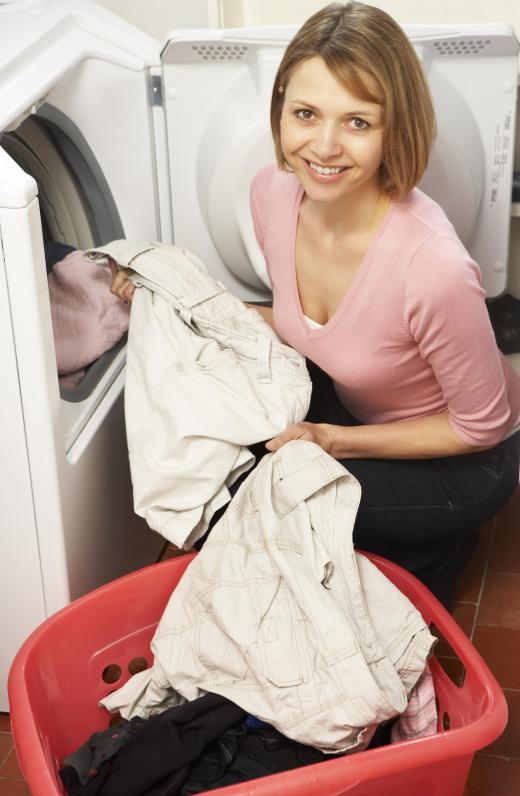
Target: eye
304	114
359	124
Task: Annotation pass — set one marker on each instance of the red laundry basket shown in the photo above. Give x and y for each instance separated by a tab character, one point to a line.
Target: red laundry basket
62	670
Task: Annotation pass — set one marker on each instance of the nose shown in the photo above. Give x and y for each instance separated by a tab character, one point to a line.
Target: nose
326	144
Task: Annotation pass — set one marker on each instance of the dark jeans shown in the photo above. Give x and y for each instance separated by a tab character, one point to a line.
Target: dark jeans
423	514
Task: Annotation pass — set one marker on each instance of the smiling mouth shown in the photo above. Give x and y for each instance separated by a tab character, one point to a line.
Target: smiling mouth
326	170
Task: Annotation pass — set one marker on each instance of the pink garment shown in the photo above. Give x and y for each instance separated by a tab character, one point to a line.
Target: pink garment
72	379
412	335
87	319
419	720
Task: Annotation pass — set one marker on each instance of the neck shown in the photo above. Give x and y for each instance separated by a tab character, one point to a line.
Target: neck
355	213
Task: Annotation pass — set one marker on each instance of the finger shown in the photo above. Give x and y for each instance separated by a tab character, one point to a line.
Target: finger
127	292
292	432
120	284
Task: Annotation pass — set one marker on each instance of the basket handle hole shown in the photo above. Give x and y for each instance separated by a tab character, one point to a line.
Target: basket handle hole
111	673
448	658
446	723
137	665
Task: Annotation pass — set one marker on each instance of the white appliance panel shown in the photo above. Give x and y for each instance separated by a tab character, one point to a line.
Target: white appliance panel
66	518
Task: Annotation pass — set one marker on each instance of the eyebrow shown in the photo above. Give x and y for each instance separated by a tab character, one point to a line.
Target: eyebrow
360	112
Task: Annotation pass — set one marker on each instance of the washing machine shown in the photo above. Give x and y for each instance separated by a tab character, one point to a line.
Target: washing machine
105	133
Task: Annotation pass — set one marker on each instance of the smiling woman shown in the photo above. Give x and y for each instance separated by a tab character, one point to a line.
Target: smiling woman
371	283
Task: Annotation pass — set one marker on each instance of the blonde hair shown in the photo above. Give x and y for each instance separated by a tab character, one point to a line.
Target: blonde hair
355	40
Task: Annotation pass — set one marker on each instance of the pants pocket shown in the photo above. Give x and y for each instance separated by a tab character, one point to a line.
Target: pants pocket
280	635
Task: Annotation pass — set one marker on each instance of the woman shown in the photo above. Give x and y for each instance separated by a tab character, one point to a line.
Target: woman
372	285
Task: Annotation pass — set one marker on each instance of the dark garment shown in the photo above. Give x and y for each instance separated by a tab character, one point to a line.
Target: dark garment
155	761
88	762
55	252
242	754
504	313
423	514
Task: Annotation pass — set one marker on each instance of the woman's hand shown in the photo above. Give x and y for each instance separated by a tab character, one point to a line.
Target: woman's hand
320	433
121	285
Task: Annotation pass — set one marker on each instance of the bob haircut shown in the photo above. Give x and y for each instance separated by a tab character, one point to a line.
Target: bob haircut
357	41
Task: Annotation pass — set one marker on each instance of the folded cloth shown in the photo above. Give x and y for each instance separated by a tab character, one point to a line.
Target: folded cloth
155	759
54	252
90	763
419	719
87	319
242	754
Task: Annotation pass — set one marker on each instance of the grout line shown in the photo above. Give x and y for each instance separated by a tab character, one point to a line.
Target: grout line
484	575
503	572
498	757
465	602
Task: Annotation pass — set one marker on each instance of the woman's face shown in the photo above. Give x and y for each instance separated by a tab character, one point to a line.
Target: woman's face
332	140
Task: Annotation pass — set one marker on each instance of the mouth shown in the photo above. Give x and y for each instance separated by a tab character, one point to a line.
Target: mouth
325	171
324	174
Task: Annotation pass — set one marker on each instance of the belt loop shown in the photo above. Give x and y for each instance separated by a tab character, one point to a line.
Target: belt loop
186	316
263	359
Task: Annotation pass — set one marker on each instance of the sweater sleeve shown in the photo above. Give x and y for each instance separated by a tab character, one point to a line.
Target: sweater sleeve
447	316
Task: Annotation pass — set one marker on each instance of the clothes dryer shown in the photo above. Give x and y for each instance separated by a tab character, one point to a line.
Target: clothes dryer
77	159
103	135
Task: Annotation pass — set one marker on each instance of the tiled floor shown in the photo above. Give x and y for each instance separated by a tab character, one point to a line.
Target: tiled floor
488	610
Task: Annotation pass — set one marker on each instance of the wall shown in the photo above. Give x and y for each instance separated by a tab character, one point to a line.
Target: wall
285	12
157	17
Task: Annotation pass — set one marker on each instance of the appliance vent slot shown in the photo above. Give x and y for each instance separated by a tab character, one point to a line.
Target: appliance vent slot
460	46
220	52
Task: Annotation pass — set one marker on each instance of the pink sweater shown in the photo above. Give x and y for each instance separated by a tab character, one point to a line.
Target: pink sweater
412	335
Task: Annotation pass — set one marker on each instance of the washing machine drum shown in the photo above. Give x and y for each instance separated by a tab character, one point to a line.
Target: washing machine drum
76	204
76	207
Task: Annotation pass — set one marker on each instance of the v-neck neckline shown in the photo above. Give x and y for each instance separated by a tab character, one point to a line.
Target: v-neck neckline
352	288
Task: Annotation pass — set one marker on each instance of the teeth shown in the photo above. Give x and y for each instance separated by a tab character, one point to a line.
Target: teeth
326	169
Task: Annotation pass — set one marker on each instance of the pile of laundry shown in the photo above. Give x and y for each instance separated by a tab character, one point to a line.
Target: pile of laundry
281	646
87	320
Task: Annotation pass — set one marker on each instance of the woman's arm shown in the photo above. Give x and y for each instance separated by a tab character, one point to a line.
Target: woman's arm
420	438
265	312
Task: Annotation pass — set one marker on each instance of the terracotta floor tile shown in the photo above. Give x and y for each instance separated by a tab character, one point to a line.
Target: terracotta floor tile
486	534
6	744
504	555
453	667
493	776
10	768
13	787
507	519
500	648
170	551
464	614
5	722
468	587
500	601
508	745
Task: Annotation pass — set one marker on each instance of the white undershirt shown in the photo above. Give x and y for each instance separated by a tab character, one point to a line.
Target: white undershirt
313	324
